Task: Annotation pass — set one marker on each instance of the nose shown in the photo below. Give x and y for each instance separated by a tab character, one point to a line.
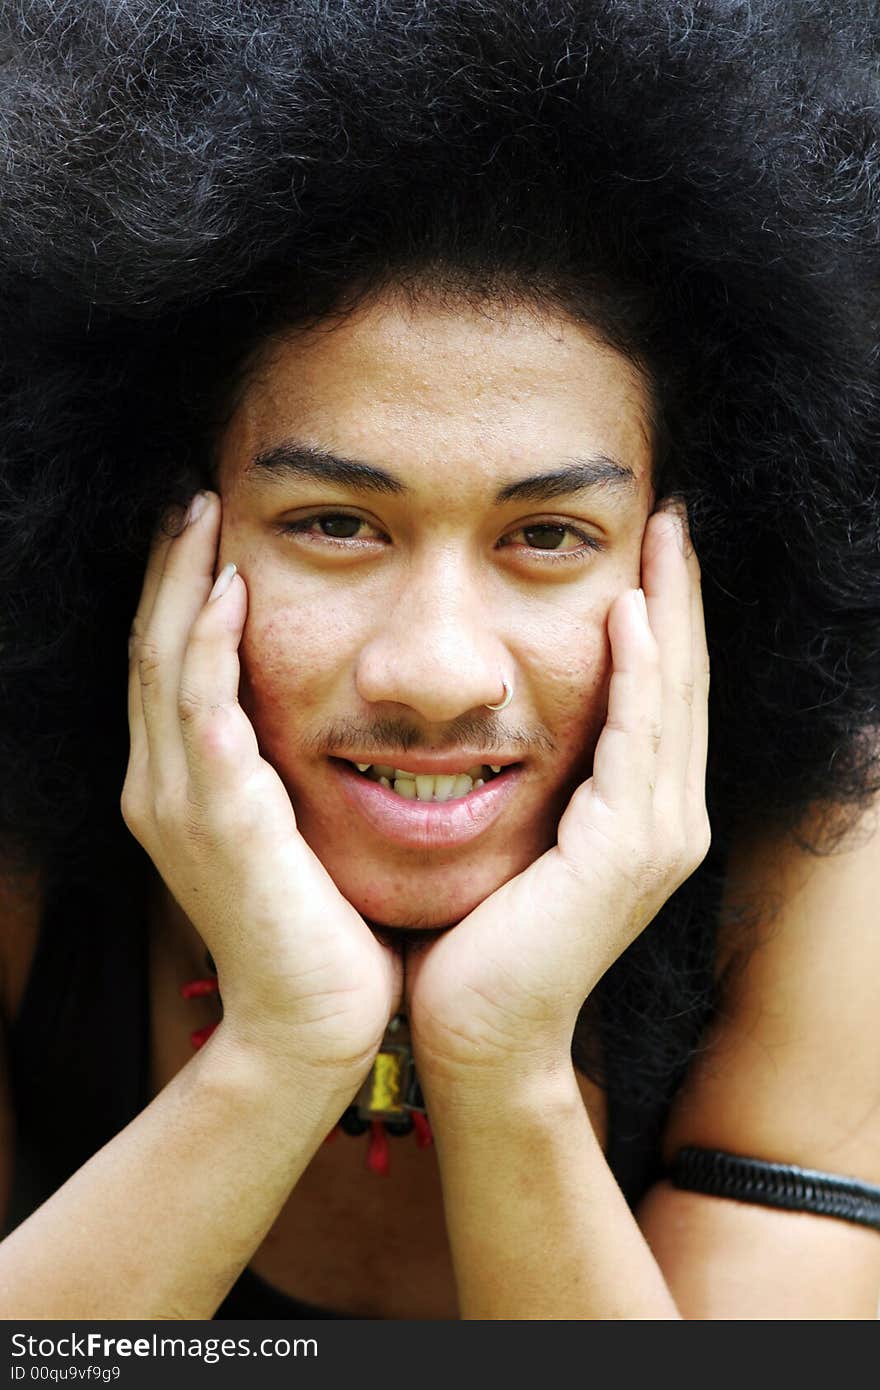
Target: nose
435	649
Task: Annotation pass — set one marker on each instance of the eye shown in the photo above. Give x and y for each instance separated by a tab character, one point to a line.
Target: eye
328	526
550	540
547	538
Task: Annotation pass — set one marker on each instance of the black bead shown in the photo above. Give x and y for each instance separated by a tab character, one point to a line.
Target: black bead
399	1127
351	1122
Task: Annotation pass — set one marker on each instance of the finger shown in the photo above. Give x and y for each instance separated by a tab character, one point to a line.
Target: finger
219	740
165	534
136	726
669	567
696	773
169	528
625	760
183	587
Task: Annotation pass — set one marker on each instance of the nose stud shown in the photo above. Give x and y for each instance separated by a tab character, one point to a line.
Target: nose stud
508	696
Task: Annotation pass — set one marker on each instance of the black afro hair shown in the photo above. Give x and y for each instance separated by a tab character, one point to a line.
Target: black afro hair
698	178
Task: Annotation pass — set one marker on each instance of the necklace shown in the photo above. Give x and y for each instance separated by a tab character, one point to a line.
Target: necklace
389	1102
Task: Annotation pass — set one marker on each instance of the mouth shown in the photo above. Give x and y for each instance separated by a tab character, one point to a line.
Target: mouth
426	786
427	811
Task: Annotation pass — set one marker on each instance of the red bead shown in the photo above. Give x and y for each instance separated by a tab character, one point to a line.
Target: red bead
201	1035
377	1153
197	988
421	1124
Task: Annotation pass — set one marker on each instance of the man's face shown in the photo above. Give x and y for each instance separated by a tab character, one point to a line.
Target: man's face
380	627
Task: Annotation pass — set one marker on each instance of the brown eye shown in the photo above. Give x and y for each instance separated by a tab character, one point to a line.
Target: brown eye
331	526
339	527
557	540
545	537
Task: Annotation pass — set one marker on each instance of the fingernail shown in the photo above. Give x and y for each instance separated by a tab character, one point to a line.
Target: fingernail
222	582
640	603
196	507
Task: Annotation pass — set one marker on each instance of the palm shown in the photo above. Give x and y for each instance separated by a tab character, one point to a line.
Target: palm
513	966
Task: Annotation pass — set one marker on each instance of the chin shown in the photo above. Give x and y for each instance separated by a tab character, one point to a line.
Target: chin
415	914
398	903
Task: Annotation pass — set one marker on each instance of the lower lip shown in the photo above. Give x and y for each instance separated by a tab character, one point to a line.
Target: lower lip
426	824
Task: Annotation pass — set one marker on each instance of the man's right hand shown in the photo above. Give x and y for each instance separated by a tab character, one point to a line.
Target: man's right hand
300	972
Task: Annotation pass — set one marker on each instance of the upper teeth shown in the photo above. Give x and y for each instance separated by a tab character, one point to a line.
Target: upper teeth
382	771
427	786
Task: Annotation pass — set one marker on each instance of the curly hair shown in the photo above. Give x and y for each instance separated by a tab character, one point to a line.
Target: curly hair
699	179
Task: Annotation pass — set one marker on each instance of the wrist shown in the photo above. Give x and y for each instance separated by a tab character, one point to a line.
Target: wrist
518	1092
270	1071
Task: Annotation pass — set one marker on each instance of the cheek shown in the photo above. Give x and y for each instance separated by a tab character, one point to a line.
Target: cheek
290	665
569	661
276	673
569	670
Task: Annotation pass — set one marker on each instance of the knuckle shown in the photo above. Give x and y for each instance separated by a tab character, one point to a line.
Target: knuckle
132	805
671	852
148	662
616	725
701	841
209	729
685	690
653	868
214	827
198	833
189	705
686	849
187	832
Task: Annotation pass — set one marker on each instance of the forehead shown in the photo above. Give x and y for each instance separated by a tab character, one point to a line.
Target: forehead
480	388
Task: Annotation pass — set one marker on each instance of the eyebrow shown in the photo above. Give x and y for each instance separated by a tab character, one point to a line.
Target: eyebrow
291	459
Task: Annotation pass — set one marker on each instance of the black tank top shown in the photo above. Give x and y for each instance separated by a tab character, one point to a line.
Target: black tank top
79	1068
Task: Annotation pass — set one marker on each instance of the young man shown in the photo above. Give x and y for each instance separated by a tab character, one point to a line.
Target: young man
419	710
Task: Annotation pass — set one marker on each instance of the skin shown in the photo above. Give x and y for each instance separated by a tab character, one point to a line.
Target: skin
227	798
239	689
235	687
440	594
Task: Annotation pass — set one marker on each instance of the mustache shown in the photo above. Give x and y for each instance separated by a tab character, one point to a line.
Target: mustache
470	731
